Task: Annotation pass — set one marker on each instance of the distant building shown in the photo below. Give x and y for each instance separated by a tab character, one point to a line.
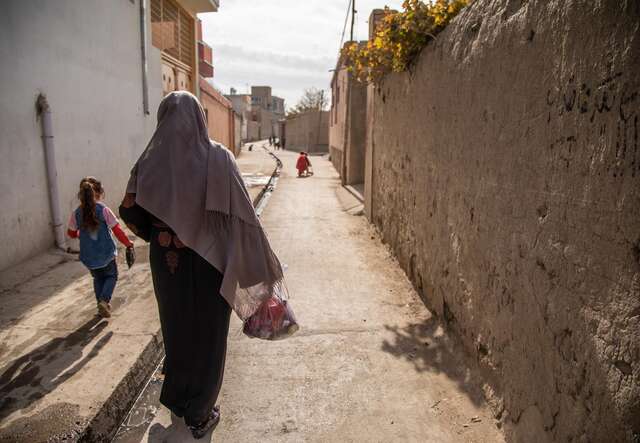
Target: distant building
104	67
260	112
242	106
277	106
308	132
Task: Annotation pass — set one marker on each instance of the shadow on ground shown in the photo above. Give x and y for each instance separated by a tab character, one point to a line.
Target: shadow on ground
37	373
176	432
430	349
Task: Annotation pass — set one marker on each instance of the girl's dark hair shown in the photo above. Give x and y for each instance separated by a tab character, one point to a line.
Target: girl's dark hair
90	190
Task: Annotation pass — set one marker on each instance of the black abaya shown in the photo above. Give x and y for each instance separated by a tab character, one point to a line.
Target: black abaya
193	316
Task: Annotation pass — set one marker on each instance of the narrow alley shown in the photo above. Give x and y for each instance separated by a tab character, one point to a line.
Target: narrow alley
369	363
446	189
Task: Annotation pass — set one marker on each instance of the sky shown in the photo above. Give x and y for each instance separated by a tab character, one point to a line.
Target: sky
289	45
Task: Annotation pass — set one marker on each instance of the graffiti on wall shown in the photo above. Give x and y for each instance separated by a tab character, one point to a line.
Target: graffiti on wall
610	108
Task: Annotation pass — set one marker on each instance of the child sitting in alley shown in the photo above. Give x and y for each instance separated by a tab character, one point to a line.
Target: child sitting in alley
93	223
302	164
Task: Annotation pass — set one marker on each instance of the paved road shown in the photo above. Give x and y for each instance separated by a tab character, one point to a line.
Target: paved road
256	167
370	364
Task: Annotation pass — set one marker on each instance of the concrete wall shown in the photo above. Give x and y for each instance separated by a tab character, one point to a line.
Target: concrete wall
268	123
68	50
253	130
220	115
347	125
242	105
308	132
506	178
237	127
354	154
338	118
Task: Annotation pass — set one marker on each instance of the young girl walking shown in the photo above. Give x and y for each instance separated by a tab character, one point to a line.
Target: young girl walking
93	223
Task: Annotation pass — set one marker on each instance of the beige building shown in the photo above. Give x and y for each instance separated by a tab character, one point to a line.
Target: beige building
173	31
267	109
347	124
219	114
103	67
237	130
308	132
242	106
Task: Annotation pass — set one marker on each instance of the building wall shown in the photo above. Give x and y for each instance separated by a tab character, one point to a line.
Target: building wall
242	105
347	126
338	118
237	127
268	123
356	132
220	115
241	102
277	105
66	50
506	178
253	131
261	96
308	132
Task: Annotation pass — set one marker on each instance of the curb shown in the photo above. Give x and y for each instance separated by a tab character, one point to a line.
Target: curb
272	180
353	191
114	411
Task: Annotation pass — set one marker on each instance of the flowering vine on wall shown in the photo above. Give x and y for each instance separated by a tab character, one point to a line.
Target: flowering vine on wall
399	38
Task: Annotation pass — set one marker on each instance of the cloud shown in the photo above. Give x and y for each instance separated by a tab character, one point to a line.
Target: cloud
224	52
287	44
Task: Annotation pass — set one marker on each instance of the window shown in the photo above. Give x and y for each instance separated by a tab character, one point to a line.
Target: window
172	30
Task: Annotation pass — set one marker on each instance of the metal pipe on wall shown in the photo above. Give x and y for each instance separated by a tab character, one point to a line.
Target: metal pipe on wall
44	111
143	53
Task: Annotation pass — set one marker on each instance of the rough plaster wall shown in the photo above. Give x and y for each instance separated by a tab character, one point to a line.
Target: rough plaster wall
253	130
338	119
308	132
356	132
85	56
506	177
219	123
336	157
237	133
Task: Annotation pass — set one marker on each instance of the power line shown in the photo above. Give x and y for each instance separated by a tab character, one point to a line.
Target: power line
344	27
353	16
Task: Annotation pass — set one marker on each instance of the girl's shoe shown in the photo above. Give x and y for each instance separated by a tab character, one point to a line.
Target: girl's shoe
200	430
104	310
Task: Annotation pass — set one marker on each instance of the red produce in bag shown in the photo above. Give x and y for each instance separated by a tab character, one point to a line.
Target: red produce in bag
274	320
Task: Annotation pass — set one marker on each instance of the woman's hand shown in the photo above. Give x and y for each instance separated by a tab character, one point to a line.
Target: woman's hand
129	200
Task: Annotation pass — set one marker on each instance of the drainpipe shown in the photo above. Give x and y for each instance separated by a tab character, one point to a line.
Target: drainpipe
44	111
143	53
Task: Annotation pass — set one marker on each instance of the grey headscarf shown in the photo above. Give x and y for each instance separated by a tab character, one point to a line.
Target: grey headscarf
193	185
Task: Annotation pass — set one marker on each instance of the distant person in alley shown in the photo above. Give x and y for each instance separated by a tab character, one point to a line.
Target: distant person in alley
302	164
92	222
208	253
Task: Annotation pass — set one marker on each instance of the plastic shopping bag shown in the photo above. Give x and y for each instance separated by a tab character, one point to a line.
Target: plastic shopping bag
274	320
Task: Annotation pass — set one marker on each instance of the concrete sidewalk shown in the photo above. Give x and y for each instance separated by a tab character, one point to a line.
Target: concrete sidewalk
370	363
66	373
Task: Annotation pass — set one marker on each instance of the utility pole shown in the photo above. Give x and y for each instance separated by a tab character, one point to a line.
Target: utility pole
353	16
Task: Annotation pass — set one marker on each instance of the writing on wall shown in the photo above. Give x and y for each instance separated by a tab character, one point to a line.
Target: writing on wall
609	109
